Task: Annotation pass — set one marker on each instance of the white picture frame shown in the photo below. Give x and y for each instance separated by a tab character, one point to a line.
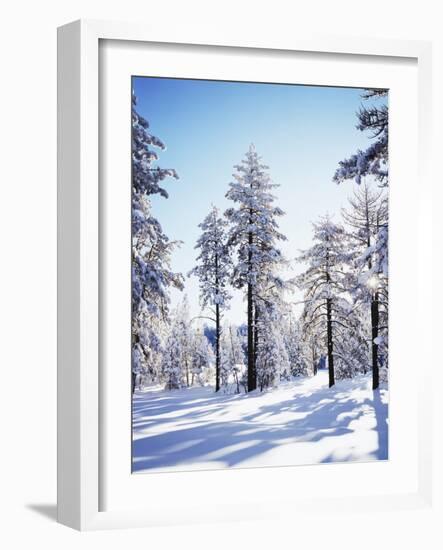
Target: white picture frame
81	470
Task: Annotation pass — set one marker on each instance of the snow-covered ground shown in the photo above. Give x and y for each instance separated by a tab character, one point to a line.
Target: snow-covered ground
301	422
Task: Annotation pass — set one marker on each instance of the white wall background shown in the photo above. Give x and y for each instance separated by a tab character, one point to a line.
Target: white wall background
28	269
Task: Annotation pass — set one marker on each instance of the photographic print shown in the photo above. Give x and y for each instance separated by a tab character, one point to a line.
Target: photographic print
259	274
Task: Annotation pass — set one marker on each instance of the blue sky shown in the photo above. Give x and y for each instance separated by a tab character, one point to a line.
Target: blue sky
301	132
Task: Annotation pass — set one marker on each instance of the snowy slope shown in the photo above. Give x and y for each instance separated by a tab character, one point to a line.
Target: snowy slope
302	422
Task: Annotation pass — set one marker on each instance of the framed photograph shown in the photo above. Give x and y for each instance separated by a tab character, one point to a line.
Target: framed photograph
241	276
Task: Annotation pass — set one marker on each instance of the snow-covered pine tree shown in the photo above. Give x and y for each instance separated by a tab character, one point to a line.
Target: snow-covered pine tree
172	371
367	219
146	178
152	276
272	355
213	270
374	163
351	351
232	358
270	309
295	346
326	309
151	280
269	303
202	358
186	336
254	234
178	349
311	350
149	333
374	160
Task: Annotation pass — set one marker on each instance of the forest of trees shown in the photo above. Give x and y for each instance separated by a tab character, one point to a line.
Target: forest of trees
341	321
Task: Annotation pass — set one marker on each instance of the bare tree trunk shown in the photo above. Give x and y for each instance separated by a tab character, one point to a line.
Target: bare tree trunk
330	343
252	379
135	339
233	358
374	318
217	347
374	323
255	341
329	328
236	382
251	366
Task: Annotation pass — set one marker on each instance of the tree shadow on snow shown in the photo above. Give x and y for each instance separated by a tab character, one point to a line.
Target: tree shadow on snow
328	414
